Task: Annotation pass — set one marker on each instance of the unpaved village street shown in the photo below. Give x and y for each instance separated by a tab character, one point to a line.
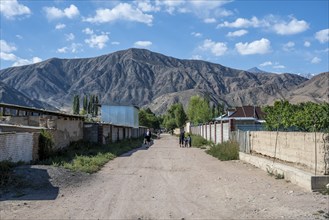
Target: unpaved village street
168	182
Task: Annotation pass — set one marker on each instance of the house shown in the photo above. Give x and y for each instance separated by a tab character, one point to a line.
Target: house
244	118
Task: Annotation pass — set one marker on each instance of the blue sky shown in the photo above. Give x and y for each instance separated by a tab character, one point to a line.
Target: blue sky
275	36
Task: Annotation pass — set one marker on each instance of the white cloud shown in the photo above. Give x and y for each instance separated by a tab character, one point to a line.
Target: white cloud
56	13
60	26
238	33
288	46
197	57
267	63
69	36
97	41
10	9
209	20
142	44
316	60
196	34
62	50
243	23
5	47
146	6
115	43
307	44
88	31
19	36
216	48
322	36
122	11
7	56
261	46
293	27
279	67
21	62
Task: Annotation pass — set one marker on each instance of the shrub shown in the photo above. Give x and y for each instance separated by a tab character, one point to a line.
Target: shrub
45	145
226	151
198	141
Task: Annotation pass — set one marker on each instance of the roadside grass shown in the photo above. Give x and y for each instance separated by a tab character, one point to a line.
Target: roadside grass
90	157
199	142
226	151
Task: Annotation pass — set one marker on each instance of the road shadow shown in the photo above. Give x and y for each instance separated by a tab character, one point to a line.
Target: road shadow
28	183
143	147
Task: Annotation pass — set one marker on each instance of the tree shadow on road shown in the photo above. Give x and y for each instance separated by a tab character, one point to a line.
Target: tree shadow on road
28	183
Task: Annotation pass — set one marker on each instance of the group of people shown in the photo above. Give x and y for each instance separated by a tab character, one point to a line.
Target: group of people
185	141
148	135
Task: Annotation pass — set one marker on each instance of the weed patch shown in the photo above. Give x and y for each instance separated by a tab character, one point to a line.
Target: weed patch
226	151
199	142
90	157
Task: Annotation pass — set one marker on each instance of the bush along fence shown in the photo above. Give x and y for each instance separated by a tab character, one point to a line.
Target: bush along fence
309	150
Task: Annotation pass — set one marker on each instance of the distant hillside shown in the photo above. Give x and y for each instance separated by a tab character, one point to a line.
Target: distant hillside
146	78
10	95
315	90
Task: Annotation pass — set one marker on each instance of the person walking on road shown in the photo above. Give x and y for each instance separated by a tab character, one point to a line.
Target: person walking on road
147	137
181	138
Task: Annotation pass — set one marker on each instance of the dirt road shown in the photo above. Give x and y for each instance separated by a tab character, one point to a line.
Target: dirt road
168	182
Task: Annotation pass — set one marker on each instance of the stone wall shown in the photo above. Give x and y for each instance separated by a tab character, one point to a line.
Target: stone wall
305	149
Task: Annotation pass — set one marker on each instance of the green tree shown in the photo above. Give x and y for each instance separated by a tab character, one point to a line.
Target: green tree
85	103
148	119
198	110
76	105
180	115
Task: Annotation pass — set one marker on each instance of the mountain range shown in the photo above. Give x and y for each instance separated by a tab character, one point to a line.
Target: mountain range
148	79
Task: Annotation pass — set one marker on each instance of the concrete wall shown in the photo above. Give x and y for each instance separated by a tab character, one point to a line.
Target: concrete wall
305	149
212	132
17	146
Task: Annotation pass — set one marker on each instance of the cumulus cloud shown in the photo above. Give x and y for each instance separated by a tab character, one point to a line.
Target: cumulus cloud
322	36
146	6
56	13
293	27
11	9
97	41
60	26
216	48
238	33
5	47
279	67
69	36
196	34
267	63
197	57
307	44
209	20
21	62
288	46
122	11
144	44
7	56
115	43
242	23
316	60
88	31
261	46
73	48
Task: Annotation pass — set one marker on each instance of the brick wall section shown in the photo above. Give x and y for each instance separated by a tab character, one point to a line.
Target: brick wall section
16	146
295	147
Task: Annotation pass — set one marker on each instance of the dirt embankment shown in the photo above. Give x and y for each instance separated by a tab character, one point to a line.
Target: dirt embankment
162	182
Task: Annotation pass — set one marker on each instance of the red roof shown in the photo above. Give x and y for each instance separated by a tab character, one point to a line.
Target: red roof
248	111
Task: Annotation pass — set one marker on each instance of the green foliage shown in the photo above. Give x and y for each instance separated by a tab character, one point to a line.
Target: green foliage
45	145
76	104
175	117
148	119
302	117
199	141
198	110
226	151
90	157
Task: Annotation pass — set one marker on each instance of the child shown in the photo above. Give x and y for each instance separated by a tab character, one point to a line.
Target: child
189	140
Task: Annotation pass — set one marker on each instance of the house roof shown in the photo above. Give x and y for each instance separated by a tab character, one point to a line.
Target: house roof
248	111
39	111
244	113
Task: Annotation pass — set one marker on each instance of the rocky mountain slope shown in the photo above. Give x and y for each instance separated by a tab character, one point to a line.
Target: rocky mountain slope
145	78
